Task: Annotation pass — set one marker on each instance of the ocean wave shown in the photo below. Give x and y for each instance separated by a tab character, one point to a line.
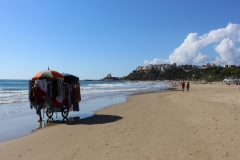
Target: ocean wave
12	96
12	89
121	87
9	101
5	91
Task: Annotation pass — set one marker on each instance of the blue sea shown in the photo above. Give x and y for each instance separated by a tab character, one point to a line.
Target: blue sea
96	95
14	93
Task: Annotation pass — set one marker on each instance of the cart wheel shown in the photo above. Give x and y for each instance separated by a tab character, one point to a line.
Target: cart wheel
49	113
64	119
64	112
50	120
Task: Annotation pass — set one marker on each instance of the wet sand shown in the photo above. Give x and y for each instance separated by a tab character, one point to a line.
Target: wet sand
200	124
26	123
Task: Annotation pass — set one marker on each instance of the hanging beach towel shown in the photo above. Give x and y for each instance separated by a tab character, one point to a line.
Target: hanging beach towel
77	93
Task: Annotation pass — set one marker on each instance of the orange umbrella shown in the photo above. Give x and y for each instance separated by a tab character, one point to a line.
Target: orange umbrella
51	74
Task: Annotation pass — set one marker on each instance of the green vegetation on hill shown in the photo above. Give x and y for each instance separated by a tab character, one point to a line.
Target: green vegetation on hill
208	74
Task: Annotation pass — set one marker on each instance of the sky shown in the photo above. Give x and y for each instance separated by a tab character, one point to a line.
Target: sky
92	38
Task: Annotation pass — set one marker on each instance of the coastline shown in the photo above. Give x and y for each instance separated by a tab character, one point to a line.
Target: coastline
200	124
26	123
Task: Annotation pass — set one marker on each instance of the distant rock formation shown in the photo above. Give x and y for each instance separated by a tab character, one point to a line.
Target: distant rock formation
110	78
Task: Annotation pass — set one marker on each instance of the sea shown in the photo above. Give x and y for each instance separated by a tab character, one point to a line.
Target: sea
14	93
18	119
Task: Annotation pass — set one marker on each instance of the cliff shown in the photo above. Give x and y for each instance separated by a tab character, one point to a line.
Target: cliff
110	78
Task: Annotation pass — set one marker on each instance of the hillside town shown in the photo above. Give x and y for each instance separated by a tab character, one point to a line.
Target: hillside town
174	71
186	67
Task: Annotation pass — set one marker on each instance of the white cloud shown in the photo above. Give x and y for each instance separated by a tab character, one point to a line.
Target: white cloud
146	62
228	52
200	59
224	39
157	61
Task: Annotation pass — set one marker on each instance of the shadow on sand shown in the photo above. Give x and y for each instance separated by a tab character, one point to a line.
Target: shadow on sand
95	119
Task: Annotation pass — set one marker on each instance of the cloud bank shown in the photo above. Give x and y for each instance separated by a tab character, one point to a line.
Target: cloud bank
223	40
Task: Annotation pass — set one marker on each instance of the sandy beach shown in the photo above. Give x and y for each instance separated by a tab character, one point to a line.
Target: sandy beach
200	124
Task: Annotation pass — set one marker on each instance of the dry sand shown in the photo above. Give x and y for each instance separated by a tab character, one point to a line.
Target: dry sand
200	124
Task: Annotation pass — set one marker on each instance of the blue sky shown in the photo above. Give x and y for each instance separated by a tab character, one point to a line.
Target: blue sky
92	38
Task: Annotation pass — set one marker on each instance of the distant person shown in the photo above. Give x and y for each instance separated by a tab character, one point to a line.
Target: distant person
38	95
183	86
188	86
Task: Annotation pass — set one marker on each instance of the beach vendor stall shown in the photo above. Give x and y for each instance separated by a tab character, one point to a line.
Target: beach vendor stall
60	93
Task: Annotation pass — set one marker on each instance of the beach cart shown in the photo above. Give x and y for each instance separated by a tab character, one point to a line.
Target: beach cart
51	109
62	92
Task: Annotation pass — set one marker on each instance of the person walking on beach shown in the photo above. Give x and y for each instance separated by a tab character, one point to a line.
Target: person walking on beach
38	95
188	86
183	86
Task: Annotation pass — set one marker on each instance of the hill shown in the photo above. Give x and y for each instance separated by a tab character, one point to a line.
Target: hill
208	74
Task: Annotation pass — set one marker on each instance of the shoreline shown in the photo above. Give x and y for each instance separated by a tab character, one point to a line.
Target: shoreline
26	123
200	124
